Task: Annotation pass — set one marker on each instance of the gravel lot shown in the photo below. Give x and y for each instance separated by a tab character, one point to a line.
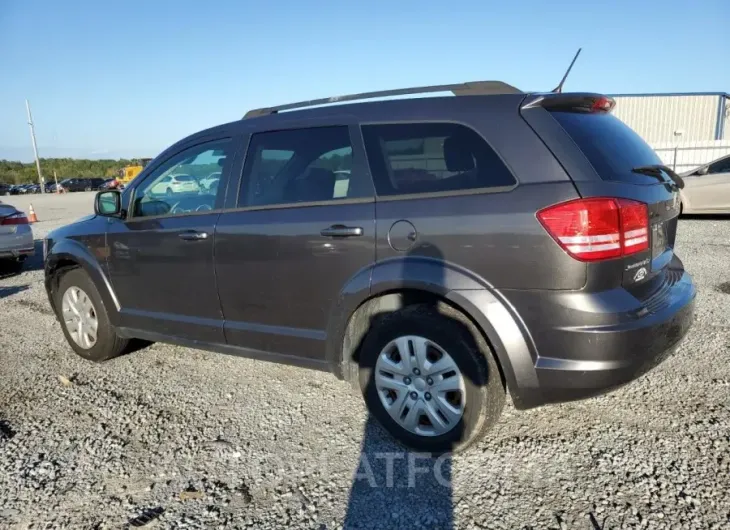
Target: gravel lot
177	438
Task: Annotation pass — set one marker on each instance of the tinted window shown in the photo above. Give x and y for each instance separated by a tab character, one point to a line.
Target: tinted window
431	157
721	166
299	165
611	146
173	189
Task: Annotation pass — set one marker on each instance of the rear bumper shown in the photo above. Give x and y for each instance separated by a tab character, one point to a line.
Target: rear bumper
586	344
17	243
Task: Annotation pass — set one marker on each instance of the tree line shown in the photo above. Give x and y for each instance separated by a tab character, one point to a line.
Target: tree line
22	173
25	173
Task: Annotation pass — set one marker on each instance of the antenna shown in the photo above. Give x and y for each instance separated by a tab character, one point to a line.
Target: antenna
558	89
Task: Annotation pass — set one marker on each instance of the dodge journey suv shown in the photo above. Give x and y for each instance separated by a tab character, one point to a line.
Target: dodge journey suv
436	252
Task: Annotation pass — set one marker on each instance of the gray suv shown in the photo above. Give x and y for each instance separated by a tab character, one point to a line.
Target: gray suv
436	252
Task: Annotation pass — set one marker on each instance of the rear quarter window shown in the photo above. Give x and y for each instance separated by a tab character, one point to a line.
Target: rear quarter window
412	158
611	146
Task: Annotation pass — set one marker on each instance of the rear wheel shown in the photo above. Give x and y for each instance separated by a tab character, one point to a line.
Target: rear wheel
84	319
429	377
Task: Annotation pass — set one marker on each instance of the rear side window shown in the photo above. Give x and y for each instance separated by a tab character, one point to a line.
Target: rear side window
611	146
300	166
408	158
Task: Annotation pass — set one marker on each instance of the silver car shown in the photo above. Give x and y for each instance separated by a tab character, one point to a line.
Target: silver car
16	236
707	188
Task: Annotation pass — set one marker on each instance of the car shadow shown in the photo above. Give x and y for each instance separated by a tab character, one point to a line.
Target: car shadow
10	291
395	487
705	217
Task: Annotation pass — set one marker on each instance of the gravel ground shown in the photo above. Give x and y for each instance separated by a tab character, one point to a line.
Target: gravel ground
170	437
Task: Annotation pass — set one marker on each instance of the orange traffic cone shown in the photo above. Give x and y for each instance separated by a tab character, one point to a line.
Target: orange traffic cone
32	217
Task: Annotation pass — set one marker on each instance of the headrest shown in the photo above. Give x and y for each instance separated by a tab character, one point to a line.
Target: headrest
458	154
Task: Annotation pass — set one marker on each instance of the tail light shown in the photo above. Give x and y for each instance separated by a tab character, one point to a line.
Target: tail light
15	219
598	229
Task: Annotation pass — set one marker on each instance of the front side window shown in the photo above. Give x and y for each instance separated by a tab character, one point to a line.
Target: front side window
298	165
176	187
408	158
721	166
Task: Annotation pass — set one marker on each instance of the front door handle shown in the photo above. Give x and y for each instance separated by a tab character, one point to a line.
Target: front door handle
193	235
342	231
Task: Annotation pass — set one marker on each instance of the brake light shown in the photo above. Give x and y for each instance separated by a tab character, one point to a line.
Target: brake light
598	229
15	219
603	104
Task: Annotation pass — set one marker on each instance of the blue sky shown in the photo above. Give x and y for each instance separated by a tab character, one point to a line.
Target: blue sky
111	79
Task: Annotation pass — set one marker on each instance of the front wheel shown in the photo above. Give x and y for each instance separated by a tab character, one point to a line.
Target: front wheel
84	319
429	377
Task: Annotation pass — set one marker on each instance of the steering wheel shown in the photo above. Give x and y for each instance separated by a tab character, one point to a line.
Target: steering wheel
175	209
203	208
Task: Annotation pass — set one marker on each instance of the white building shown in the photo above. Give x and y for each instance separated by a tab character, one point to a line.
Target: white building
686	130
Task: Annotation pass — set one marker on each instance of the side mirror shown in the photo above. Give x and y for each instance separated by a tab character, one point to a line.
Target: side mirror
108	203
703	170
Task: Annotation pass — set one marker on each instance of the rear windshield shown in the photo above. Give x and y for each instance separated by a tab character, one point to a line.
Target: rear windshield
183	178
611	146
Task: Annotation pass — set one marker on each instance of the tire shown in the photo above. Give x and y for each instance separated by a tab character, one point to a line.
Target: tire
168	192
483	386
108	344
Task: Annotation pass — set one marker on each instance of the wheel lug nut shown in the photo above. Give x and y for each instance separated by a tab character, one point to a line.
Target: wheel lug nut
427	396
417	371
407	380
414	395
429	381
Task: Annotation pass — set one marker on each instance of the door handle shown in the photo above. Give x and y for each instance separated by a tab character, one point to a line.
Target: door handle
193	235
342	231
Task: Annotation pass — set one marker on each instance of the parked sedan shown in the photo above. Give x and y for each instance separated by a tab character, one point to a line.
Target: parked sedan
707	188
16	236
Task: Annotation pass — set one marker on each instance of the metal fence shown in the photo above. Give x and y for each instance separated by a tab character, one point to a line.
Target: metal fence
683	156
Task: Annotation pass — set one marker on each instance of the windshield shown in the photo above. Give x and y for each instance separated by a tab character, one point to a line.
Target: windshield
611	146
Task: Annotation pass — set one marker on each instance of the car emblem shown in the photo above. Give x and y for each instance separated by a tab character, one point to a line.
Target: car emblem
640	274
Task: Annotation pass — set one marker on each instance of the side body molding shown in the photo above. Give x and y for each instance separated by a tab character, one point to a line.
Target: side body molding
66	251
387	286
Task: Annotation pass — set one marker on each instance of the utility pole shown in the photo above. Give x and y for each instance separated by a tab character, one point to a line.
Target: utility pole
35	148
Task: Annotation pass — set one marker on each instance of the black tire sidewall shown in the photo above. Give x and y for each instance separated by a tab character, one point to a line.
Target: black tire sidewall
105	345
460	339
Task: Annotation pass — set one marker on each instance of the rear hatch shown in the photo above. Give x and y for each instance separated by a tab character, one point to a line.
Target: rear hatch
606	159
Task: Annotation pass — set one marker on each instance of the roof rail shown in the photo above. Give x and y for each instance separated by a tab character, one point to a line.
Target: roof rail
471	88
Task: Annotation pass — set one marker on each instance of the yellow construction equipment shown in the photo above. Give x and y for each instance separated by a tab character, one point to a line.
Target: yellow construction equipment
127	174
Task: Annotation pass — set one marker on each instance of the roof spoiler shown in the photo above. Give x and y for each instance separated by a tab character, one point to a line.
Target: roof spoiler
573	102
472	88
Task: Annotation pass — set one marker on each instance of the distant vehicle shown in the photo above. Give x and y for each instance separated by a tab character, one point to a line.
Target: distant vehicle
5	189
81	184
109	184
707	188
490	242
127	174
172	184
210	183
16	237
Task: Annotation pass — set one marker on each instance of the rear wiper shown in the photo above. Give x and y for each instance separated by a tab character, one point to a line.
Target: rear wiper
656	172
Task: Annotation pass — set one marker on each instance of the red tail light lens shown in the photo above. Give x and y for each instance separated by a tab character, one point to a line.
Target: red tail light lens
598	229
15	219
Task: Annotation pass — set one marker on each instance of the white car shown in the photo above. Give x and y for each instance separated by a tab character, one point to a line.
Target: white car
171	184
707	188
16	236
210	182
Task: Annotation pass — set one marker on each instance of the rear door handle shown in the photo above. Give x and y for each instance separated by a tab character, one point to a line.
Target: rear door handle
342	231
193	235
